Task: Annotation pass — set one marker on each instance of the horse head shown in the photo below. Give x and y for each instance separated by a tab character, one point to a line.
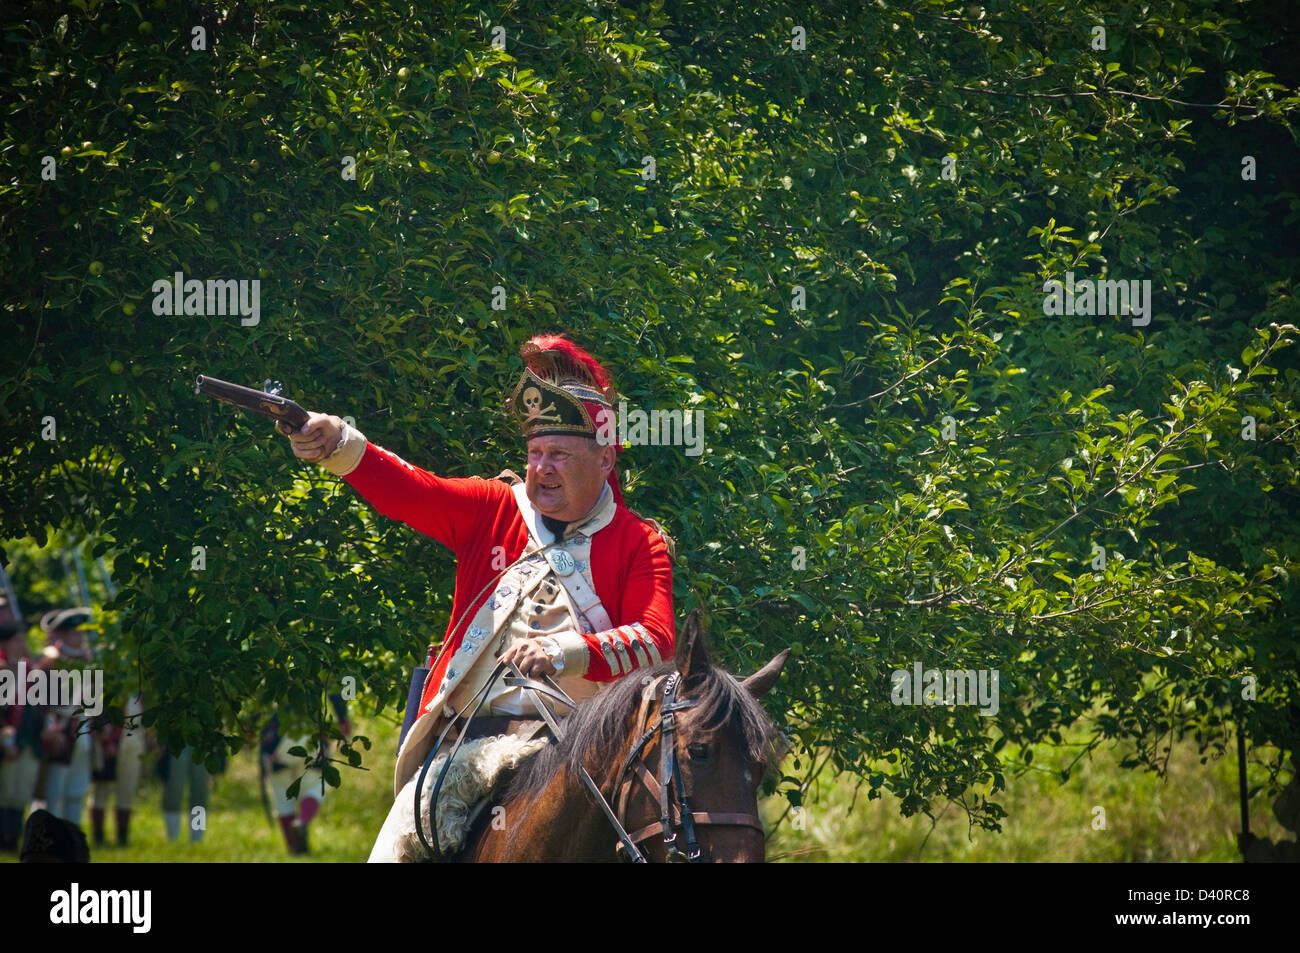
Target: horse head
714	745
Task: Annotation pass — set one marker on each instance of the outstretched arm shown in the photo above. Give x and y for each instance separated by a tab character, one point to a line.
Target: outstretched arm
445	508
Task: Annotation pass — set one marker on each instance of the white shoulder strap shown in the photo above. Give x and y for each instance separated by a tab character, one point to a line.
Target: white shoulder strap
576	584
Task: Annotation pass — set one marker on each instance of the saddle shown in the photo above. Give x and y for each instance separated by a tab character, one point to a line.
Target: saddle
483	769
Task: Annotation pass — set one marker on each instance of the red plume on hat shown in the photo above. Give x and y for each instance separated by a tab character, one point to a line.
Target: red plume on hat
555	358
560	362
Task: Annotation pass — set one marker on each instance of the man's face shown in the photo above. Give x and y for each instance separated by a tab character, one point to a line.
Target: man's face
566	474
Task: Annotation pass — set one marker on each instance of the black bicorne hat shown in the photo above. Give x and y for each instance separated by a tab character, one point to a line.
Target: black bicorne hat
563	390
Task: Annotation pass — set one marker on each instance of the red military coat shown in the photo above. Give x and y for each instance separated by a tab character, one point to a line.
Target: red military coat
630	568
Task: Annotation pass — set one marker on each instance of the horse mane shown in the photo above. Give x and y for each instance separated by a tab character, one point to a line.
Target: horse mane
598	729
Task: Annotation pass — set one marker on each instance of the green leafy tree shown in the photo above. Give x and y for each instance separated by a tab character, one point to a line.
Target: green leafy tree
837	251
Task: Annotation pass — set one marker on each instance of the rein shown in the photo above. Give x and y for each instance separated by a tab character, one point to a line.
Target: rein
477	701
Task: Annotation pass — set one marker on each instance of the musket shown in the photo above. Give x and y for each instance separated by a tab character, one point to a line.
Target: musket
266	402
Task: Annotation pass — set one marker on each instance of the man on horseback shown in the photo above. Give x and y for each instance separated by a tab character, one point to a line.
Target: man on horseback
554	574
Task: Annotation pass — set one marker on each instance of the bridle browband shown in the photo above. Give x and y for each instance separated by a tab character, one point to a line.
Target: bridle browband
668	790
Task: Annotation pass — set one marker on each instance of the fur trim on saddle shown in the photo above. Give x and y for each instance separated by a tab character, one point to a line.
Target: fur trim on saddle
472	779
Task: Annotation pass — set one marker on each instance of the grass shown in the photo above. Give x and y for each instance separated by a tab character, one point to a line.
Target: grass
1190	816
1193	814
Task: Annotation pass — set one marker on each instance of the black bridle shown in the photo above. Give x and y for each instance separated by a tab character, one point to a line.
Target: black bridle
669	790
670	775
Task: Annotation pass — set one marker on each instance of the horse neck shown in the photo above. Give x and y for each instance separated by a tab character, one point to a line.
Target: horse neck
558	823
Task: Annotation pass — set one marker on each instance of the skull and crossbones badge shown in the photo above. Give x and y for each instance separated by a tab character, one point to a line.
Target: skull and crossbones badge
532	398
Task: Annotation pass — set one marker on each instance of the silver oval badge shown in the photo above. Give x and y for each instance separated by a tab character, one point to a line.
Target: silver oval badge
560	561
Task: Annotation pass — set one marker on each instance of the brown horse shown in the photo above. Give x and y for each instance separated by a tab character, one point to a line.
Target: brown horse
723	740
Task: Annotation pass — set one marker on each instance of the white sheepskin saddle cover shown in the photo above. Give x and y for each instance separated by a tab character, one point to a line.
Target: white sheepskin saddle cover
472	778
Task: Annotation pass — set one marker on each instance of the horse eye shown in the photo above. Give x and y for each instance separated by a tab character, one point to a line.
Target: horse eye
699	751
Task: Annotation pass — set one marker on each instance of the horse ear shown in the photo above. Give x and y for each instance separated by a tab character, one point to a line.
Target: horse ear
692	655
761	682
